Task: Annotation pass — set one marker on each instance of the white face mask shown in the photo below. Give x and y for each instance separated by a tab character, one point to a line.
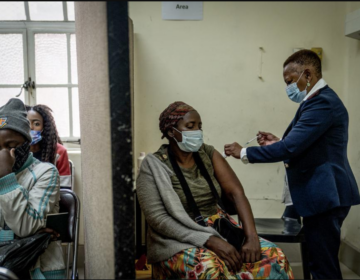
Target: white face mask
191	140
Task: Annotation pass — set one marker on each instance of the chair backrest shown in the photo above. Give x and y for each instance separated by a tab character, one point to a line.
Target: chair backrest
69	202
72	172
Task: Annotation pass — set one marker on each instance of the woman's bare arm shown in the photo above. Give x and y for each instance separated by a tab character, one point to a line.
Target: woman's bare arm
235	193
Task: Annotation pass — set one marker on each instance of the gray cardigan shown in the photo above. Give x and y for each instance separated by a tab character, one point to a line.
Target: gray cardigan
171	229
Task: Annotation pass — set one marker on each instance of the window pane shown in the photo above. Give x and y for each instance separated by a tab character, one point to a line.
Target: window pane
58	100
7	93
12	10
51	59
46	10
76	113
74	77
71	10
11	59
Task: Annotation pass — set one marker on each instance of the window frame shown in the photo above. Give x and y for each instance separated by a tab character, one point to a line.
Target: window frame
18	30
29	29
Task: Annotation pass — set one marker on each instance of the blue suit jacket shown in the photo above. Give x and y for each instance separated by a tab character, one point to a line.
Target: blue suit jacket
314	150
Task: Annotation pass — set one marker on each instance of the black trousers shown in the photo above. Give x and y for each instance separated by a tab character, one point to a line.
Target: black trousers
322	234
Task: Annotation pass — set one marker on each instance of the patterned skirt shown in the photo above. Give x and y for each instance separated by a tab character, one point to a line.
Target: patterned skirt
200	263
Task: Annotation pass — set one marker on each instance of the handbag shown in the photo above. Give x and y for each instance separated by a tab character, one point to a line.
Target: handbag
233	234
19	255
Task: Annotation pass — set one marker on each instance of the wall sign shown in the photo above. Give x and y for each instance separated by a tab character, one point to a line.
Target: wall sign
182	10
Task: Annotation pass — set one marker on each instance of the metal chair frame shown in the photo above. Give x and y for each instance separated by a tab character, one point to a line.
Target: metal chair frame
72	170
76	241
7	274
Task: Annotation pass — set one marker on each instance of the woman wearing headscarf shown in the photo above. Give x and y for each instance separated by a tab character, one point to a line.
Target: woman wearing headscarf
179	246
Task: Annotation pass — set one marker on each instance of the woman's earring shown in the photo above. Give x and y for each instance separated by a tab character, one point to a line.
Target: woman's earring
308	84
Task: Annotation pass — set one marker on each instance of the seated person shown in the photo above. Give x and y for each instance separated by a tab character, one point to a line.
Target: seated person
29	189
178	247
46	145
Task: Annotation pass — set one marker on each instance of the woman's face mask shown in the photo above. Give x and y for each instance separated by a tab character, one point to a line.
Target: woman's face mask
191	140
36	137
294	92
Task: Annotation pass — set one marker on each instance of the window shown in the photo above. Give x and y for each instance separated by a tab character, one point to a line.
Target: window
37	11
37	42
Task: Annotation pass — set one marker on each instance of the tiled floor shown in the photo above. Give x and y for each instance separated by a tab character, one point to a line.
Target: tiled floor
346	272
292	252
81	273
296	267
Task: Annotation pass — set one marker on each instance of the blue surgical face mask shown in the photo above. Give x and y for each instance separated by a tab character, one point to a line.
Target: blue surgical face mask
36	137
294	92
191	140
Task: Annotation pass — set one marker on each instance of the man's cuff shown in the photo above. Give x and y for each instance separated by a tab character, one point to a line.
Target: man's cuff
8	183
243	156
6	235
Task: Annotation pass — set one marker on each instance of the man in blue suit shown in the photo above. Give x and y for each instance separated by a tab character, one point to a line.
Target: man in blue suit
314	151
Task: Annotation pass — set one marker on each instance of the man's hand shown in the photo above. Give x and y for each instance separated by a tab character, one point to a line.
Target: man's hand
266	138
251	251
54	234
226	252
7	161
233	149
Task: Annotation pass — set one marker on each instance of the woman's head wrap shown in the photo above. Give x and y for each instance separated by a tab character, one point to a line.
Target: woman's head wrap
172	114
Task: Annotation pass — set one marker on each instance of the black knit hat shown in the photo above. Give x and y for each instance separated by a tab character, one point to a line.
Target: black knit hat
13	115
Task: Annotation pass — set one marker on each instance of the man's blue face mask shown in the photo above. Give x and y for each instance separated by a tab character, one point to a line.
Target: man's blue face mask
294	92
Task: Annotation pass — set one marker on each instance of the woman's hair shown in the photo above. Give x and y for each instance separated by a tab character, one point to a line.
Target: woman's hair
305	57
171	115
50	136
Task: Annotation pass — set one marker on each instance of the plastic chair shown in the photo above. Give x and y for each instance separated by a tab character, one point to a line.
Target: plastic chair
7	274
69	202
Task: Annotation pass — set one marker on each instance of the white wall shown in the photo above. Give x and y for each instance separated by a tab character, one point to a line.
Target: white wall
351	227
213	65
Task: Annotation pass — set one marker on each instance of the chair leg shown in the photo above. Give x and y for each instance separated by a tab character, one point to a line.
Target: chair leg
305	260
74	271
68	260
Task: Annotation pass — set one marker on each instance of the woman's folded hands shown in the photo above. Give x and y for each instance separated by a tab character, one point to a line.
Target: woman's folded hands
250	251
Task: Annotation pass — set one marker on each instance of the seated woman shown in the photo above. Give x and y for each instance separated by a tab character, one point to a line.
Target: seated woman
46	145
178	247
